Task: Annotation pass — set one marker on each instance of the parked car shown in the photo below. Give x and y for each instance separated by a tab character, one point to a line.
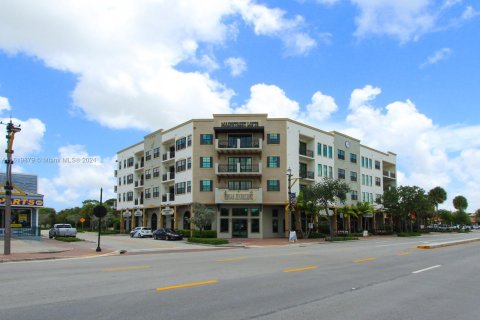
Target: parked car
62	230
166	234
141	232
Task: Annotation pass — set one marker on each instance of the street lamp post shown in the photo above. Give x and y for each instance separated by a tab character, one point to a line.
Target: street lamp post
11	130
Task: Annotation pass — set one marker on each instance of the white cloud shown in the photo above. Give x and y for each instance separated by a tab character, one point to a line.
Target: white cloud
237	66
80	176
133	54
437	56
272	100
427	153
4	104
470	13
405	20
321	108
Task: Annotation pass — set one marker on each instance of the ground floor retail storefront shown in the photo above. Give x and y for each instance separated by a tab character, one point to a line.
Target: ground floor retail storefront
231	221
24	212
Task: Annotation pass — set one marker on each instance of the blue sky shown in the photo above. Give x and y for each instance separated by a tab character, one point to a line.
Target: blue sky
88	78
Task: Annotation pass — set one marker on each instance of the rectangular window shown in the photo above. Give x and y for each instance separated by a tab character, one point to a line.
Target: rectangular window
224	225
341	173
363	179
341	154
148	193
224	212
119	181
119	164
363	162
206	162
148	174
130	196
273	185
206	138
273	162
354	195
156	172
319	169
180	188
239	184
330	152
255	225
370	163
275	225
130	162
353	158
189	186
148	155
378	182
124	179
370	180
255	212
124	197
189	163
273	138
319	149
353	176
156	152
156	192
189	140
330	172
181	144
371	197
130	179
206	185
325	170
325	150
377	164
181	165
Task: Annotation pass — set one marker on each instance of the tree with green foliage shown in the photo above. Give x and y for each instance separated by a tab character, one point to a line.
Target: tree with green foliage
362	209
461	218
202	216
446	216
437	195
347	213
46	217
327	193
460	203
307	202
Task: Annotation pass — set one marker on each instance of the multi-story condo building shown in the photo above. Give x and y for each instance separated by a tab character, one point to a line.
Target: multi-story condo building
237	164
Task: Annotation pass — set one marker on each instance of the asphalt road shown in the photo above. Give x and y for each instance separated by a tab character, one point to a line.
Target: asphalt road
368	279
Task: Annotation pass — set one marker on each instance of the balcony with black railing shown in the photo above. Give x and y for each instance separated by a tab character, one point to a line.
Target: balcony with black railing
238	169
307	175
238	145
306	153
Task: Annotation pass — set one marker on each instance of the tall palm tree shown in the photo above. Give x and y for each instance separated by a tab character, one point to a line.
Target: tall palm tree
363	208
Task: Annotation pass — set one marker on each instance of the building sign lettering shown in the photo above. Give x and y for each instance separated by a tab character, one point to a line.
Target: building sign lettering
244	124
23	202
239	196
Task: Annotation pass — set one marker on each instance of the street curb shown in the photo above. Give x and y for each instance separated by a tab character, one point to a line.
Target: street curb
446	244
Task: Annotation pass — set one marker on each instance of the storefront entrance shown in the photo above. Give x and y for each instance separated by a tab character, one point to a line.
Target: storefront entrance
239	228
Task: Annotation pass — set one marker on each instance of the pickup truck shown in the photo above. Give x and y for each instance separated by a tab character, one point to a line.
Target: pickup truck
62	230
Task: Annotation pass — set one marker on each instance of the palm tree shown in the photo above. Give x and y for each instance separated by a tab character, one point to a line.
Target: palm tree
437	195
363	208
347	212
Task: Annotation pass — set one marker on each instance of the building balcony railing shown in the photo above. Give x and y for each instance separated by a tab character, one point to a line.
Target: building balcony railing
389	174
306	153
115	188
115	173
138	184
238	145
168	197
238	196
238	169
169	176
168	156
308	175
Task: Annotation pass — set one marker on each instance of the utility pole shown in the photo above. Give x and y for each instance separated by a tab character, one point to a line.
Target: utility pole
289	175
11	130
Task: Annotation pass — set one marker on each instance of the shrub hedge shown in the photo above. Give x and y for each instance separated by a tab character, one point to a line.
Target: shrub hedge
198	234
208	241
68	239
340	238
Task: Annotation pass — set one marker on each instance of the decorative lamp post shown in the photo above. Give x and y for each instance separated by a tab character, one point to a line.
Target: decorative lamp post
11	130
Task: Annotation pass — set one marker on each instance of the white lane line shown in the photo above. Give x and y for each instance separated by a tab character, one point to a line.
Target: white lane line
426	269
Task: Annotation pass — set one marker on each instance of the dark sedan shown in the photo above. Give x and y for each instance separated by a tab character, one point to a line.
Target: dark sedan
166	234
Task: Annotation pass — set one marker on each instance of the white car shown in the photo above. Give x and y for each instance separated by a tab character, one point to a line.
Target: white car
141	232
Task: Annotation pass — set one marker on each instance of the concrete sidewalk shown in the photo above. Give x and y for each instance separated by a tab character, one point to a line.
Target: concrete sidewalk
42	248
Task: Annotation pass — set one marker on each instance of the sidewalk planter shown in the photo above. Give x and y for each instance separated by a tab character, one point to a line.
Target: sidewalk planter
208	241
